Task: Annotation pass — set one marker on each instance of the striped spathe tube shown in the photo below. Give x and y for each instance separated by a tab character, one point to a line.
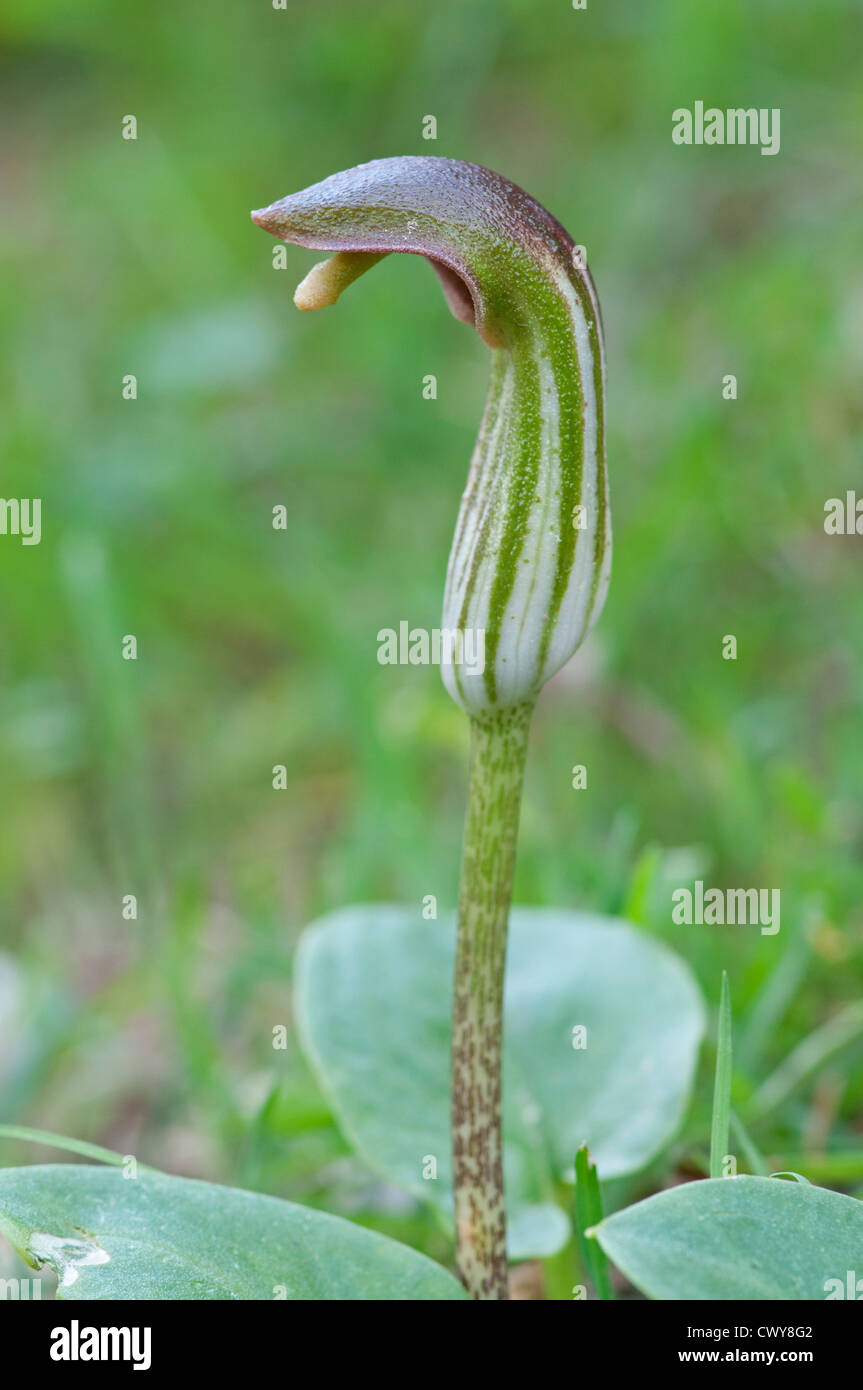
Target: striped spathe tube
531	556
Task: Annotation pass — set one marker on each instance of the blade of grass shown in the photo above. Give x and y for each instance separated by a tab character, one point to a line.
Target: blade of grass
60	1141
820	1047
780	987
588	1213
719	1129
749	1149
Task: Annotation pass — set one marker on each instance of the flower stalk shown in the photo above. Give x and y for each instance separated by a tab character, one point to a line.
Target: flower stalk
497	760
530	559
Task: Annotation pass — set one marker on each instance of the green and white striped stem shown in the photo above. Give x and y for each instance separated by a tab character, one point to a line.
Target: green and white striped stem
530	559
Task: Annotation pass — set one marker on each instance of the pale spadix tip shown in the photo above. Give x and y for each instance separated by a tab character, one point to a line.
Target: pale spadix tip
326	280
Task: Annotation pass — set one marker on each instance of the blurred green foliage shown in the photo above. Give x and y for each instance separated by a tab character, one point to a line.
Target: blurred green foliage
258	647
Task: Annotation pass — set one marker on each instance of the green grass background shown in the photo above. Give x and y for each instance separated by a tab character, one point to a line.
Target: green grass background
258	647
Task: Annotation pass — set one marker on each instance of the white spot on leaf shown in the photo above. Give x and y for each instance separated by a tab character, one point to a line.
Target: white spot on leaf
66	1255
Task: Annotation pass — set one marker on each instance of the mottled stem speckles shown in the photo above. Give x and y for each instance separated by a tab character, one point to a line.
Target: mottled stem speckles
498	755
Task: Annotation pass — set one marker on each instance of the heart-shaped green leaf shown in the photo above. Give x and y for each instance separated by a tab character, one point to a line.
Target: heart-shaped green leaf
107	1236
373	1003
739	1238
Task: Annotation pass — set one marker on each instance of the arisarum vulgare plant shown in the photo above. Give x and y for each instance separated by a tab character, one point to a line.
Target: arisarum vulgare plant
604	1021
530	559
